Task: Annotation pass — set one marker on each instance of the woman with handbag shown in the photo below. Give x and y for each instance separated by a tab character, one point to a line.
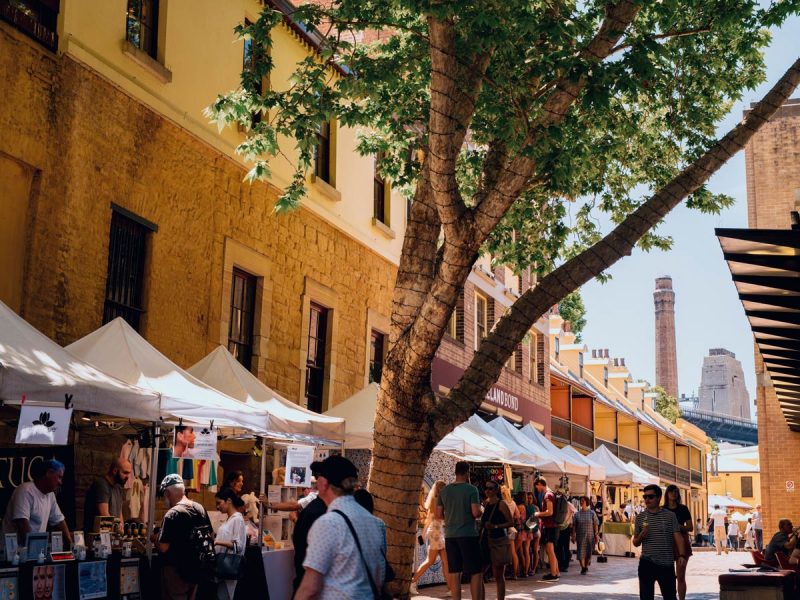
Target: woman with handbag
230	543
672	502
494	539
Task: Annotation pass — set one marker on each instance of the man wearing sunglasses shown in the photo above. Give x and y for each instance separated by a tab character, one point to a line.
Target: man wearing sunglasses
656	530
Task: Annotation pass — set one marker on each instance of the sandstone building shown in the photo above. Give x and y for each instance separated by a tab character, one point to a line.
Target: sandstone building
722	386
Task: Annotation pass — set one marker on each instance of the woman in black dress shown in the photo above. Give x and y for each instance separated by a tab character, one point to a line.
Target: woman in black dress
672	501
496	518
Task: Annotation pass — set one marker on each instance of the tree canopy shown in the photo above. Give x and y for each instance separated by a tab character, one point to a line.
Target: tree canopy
667	405
573	310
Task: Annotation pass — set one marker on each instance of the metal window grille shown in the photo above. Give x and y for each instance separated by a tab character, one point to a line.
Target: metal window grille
315	362
322	153
142	25
379	193
35	18
377	345
127	249
242	317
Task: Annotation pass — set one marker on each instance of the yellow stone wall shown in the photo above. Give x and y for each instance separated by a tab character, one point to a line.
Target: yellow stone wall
731	483
91	143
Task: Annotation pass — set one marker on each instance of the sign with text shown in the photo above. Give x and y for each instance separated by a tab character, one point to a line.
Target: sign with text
298	465
15	468
503	399
40	424
197	443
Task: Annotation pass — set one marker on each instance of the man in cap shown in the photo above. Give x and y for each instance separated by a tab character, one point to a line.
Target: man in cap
346	555
33	507
179	557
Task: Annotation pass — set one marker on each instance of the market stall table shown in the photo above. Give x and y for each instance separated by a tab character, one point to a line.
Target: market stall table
279	571
618	539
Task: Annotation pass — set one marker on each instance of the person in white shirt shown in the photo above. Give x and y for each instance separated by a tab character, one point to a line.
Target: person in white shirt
719	517
231	537
733	535
749	542
758	528
33	507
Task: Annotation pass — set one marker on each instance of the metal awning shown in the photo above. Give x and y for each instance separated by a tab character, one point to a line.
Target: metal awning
765	265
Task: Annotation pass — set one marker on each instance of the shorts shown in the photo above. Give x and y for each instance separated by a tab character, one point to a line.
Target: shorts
550	535
463	555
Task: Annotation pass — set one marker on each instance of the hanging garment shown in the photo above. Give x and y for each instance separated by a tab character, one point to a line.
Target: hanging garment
125	451
135	498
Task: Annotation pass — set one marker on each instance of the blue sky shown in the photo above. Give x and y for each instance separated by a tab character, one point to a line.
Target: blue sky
708	313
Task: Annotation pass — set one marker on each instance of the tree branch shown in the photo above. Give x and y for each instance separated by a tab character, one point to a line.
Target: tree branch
668	35
495	349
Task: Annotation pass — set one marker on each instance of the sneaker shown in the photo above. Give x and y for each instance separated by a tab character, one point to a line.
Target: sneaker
550	577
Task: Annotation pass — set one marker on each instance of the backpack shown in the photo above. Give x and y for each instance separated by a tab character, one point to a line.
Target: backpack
200	561
560	509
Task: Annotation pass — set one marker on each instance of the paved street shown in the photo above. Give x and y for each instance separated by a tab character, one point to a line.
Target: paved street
614	580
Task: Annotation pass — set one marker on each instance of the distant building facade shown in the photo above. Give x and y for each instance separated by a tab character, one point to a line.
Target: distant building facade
722	387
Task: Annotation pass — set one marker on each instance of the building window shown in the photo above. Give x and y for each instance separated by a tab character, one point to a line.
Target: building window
253	54
518	359
481	319
605	377
315	362
376	350
240	328
557	348
127	250
379	208
142	26
747	486
580	365
455	326
537	359
626	388
322	153
37	19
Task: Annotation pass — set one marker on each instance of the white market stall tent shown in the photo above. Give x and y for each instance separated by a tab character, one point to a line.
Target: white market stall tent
284	418
617	472
726	502
636	469
597	472
358	412
571	466
477	427
544	460
117	349
33	365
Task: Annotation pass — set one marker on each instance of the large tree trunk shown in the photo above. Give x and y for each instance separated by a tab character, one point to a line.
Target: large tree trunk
410	420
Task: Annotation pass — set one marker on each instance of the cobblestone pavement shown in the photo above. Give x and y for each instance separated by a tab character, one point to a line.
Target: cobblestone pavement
614	580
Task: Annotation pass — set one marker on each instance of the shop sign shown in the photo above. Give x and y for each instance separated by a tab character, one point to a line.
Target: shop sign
503	399
42	424
790	486
298	466
197	443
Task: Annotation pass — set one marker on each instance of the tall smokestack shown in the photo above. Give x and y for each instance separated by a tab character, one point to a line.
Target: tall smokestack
666	350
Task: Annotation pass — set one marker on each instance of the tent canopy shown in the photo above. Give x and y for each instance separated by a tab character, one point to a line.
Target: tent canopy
644	476
597	472
571	466
117	349
358	412
543	459
510	451
616	470
471	441
223	372
34	365
726	502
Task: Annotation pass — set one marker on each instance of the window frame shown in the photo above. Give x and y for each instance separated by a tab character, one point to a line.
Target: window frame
152	37
374	361
749	479
322	153
481	323
248	296
380	199
320	351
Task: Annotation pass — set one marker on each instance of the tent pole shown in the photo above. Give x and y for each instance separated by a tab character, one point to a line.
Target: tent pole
153	483
262	491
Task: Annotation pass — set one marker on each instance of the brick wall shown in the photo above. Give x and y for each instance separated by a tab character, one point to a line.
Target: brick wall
772	161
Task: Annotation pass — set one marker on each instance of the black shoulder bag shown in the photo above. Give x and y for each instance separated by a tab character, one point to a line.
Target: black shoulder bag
380	594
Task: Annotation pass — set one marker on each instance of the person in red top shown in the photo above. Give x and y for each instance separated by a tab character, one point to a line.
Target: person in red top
549	527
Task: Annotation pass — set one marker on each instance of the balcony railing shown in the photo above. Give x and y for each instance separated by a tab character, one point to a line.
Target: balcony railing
697	477
610	445
559	428
628	454
648	463
682	476
666	470
582	437
35	18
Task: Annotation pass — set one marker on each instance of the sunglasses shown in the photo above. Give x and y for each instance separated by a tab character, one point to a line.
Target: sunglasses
649	496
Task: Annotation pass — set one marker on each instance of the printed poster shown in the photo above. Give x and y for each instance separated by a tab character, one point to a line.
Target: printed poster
92	582
197	443
298	466
129	580
43	425
9	584
49	582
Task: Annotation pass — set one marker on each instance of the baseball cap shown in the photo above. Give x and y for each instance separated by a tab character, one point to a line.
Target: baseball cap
169	481
335	469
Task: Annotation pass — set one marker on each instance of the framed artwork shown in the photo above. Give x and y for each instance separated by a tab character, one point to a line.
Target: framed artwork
36	543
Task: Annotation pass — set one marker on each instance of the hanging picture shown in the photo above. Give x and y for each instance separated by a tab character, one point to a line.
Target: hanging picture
92	582
197	443
42	424
9	584
298	466
129	579
48	582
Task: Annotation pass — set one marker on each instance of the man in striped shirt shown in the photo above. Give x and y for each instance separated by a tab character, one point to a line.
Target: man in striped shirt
656	530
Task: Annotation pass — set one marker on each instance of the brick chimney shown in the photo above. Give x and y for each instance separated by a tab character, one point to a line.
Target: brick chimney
666	349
